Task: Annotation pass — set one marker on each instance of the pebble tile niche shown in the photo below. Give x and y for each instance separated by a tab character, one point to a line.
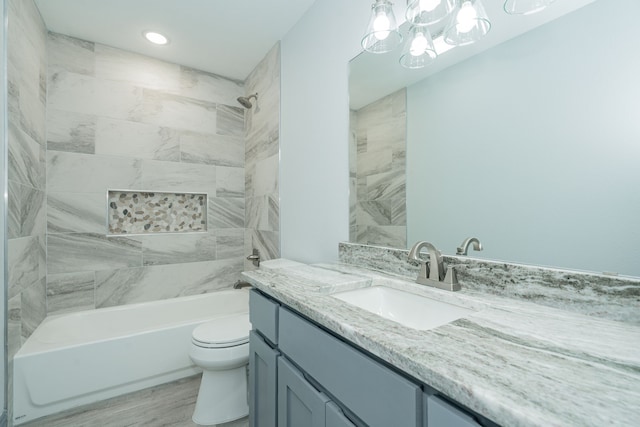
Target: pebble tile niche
141	212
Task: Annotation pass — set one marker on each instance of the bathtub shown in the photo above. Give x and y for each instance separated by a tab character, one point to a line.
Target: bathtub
79	358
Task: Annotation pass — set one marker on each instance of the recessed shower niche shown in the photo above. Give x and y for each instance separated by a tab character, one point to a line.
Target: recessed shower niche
145	212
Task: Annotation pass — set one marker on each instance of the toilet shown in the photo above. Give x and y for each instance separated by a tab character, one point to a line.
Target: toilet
221	348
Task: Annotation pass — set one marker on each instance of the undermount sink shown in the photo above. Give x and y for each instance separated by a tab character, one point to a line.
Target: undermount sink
406	308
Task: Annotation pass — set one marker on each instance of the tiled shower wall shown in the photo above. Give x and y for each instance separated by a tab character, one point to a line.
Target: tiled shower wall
26	46
377	170
118	120
262	159
26	75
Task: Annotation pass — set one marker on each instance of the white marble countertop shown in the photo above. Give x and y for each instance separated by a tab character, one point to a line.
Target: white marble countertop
516	363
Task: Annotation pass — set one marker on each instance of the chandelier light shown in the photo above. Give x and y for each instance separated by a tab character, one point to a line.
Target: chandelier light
469	23
418	50
382	33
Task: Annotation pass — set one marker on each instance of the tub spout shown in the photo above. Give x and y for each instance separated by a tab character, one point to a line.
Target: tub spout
240	284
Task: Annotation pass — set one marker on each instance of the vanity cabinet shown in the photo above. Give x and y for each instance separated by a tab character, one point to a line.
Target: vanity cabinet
263	368
304	376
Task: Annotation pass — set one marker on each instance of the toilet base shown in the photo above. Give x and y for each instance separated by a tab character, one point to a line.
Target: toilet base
222	397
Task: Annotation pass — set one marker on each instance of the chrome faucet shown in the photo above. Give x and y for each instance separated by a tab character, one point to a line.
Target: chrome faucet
434	274
464	247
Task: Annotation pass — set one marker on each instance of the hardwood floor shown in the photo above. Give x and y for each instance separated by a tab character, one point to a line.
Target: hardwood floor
165	405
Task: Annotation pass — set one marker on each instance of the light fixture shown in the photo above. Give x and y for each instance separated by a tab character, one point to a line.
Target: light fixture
418	51
155	37
382	33
427	12
469	23
525	7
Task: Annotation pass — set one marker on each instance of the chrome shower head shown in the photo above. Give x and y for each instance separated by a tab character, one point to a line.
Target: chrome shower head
245	101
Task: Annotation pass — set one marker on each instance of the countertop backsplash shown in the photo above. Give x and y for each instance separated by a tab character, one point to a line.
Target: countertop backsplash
599	295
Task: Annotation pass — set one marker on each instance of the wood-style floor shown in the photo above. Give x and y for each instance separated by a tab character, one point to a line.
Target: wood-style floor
165	405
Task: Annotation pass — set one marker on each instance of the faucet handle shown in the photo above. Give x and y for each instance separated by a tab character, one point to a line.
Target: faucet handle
451	278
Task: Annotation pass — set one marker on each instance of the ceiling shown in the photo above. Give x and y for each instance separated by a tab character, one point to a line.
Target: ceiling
224	37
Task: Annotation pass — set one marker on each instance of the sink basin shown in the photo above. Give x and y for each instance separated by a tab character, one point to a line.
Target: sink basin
411	310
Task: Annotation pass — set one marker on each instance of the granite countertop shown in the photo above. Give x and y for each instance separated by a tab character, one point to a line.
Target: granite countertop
516	363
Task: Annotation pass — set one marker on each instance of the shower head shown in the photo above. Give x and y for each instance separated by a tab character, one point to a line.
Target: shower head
245	101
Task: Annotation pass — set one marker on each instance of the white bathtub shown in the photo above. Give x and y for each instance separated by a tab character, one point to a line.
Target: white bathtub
84	357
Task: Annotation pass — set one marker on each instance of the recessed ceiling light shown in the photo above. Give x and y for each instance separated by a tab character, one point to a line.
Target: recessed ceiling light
155	38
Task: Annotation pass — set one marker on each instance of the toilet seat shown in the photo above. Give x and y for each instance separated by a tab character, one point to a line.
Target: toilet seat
224	332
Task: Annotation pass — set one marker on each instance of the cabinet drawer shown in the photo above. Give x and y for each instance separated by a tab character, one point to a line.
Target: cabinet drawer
442	414
263	314
374	393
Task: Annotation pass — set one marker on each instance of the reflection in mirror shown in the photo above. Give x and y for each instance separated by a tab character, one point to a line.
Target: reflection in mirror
532	146
377	171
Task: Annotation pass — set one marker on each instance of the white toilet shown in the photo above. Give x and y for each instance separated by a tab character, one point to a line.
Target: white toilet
221	348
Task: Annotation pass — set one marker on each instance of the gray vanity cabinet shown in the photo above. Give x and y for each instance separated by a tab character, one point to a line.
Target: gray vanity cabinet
299	403
303	376
263	383
263	361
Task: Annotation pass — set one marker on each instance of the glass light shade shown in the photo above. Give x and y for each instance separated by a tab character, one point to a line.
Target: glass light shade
469	23
418	50
427	12
382	32
525	7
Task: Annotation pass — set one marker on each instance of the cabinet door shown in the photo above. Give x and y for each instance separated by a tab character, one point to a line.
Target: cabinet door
442	414
335	417
299	403
263	386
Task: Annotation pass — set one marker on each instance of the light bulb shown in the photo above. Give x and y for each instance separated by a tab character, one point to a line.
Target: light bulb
429	5
155	38
466	17
419	45
381	26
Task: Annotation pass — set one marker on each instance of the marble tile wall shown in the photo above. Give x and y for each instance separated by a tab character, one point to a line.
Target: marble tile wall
377	170
119	120
598	295
262	159
26	101
26	74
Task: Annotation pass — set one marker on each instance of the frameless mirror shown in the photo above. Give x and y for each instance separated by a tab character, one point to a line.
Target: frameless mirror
531	144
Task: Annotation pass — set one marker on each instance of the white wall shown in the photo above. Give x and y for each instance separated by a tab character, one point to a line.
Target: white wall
314	175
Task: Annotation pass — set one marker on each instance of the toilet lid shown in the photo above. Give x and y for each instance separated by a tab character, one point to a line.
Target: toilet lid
223	332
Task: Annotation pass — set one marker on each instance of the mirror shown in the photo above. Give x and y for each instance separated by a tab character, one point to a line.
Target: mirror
531	145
